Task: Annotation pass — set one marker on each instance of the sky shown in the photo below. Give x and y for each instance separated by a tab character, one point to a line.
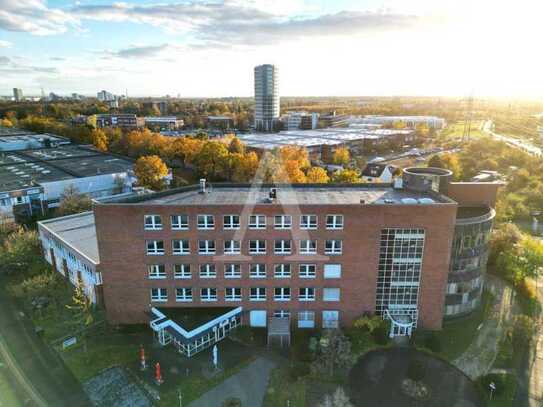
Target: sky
209	48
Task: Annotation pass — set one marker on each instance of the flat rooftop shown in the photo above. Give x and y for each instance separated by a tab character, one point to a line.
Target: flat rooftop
77	231
301	194
27	168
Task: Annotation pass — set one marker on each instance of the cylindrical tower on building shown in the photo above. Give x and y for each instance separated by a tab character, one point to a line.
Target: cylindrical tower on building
266	97
427	179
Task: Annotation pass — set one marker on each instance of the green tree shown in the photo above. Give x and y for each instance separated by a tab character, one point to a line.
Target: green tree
211	161
82	307
150	171
436	162
71	201
334	353
21	251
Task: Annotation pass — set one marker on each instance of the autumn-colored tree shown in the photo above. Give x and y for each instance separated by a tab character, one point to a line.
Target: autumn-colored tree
346	176
82	308
211	161
150	171
294	172
244	166
295	153
99	139
317	175
72	201
236	146
341	156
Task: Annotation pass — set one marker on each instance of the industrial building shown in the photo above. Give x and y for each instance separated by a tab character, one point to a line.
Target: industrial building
195	262
125	120
163	122
15	139
409	121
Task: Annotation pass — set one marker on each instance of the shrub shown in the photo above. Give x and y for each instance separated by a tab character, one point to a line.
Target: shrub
416	370
380	335
528	288
523	331
433	343
297	370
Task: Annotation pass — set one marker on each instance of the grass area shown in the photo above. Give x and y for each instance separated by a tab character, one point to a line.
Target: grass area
282	389
504	358
458	333
506	387
8	397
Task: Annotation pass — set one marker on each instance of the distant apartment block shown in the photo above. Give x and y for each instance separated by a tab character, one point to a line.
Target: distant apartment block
160	105
300	120
17	95
105	96
266	79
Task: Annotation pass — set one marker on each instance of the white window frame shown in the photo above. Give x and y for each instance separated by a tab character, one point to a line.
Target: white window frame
282	270
260	272
260	294
182	273
327	294
306	246
257	221
259	249
229	222
206	222
306	319
281	313
336	223
209	296
156	271
186	295
153	225
285	246
337	247
232	270
306	294
160	296
328	322
209	247
179	222
155	251
308	222
303	271
284	294
329	274
183	249
282	221
232	296
210	270
232	247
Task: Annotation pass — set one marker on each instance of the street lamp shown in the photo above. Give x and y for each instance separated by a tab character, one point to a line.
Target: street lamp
492	387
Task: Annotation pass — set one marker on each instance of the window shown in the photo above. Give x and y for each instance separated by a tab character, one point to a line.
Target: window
183	294
307	271
180	222
306	294
206	222
232	247
258	294
308	247
306	319
308	222
281	271
156	271
208	271
258	271
281	293
155	247
180	247
283	247
283	221
208	294
332	271
330	294
257	222
153	222
257	247
330	319
281	313
232	294
182	271
206	247
334	221
232	271
231	221
333	247
159	294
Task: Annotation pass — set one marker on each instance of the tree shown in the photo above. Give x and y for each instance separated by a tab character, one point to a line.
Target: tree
503	239
338	399
211	161
236	146
99	139
71	201
522	332
451	162
317	175
20	251
334	353
82	307
369	323
341	156
244	166
436	162
150	171
346	176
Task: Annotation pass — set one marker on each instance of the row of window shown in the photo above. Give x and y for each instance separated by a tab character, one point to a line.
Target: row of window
280	246
208	294
234	270
306	318
232	222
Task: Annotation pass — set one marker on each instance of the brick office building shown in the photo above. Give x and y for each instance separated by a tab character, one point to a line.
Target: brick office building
321	255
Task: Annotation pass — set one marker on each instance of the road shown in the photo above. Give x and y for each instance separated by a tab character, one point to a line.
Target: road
512	141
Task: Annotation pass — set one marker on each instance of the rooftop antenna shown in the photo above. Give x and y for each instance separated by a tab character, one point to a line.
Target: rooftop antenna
467	119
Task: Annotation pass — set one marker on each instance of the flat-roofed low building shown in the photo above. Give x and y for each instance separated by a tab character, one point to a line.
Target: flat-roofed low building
219	122
125	120
163	122
22	140
409	121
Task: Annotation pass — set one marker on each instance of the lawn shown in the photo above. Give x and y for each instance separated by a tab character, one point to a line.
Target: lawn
284	391
8	397
459	333
504	394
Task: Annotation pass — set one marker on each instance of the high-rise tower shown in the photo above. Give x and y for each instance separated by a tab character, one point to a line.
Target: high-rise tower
266	97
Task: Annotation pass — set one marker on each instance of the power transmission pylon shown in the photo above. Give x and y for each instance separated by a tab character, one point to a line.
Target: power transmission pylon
467	119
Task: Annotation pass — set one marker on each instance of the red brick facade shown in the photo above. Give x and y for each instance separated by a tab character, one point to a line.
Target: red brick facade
123	259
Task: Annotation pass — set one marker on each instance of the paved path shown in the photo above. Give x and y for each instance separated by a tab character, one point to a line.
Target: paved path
479	357
249	385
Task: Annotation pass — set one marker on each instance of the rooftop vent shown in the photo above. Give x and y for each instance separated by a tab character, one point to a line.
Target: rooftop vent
202	186
273	193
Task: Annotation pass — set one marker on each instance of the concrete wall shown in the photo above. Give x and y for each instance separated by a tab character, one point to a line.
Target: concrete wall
474	193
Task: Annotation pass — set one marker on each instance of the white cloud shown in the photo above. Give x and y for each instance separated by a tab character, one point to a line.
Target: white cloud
35	17
5	44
